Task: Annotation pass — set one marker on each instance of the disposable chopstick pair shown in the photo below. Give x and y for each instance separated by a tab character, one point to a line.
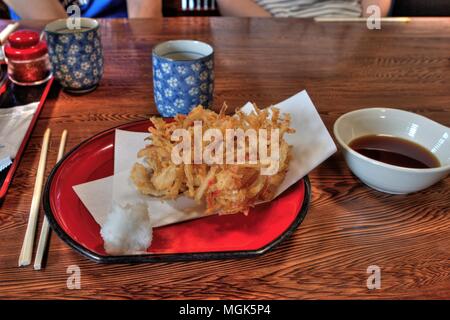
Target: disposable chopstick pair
349	19
27	247
45	230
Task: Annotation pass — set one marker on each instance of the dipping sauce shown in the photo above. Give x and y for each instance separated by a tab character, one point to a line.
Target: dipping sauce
395	151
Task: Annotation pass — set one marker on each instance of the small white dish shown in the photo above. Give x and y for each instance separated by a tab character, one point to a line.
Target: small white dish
397	123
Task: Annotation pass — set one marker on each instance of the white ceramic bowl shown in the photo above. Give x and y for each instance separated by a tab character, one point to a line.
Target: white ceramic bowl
398	123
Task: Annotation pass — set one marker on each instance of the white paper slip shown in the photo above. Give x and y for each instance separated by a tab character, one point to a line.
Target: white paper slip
14	123
97	195
5	160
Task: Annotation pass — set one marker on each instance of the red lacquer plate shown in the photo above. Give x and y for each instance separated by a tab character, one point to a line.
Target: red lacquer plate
213	237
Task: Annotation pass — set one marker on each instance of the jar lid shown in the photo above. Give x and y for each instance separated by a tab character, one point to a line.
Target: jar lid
25	45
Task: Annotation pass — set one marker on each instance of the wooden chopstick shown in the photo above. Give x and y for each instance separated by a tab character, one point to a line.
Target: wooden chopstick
45	230
344	19
28	241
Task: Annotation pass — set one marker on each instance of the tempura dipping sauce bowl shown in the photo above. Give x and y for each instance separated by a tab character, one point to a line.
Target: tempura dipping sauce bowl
385	177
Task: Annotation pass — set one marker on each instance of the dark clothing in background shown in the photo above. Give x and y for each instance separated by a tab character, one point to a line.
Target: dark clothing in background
93	8
421	8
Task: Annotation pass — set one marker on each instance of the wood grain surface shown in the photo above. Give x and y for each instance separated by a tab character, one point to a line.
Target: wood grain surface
343	66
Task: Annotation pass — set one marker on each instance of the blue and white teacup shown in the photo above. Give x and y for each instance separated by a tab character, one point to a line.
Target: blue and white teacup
183	76
76	54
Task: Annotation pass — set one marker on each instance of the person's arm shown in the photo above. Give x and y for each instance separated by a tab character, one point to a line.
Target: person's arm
38	9
241	8
144	8
385	6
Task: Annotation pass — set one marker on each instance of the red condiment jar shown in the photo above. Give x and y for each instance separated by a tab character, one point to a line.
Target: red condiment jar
27	58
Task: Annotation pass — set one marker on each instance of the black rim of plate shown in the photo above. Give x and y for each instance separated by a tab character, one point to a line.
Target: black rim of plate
169	257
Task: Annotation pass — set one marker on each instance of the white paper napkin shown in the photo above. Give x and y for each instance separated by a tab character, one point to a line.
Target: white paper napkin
14	123
312	144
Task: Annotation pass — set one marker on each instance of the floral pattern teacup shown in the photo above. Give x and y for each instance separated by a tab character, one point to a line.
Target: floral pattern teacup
75	54
183	76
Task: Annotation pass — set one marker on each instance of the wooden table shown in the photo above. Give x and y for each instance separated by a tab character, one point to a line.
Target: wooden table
344	66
